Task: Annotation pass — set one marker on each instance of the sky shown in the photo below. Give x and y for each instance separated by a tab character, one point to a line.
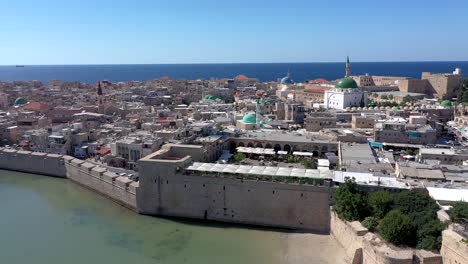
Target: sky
40	32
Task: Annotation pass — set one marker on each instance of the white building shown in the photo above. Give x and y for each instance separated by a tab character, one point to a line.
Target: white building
345	94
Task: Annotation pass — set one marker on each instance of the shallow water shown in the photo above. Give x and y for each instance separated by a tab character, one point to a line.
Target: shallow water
55	221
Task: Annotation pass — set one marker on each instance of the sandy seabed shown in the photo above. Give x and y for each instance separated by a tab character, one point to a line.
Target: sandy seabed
301	248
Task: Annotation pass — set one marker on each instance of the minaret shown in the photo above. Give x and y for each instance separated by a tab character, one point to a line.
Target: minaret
99	93
348	67
202	92
258	116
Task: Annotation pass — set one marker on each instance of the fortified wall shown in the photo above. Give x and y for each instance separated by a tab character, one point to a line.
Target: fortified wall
454	245
166	189
364	247
32	162
120	189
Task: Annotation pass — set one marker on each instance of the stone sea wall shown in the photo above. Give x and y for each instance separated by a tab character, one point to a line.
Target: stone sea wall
364	247
32	162
120	189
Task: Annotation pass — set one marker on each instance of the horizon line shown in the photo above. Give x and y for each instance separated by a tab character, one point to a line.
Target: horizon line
213	63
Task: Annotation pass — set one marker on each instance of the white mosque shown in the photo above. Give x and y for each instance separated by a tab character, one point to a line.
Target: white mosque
346	93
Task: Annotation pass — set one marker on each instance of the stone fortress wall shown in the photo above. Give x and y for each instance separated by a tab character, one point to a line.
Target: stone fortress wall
32	162
166	190
120	189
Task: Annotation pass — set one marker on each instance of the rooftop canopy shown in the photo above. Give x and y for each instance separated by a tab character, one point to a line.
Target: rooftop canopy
260	151
260	170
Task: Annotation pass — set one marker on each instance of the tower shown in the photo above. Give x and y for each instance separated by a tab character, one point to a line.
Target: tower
258	116
203	92
348	67
99	94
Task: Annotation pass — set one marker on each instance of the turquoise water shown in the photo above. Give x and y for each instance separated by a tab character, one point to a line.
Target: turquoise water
51	221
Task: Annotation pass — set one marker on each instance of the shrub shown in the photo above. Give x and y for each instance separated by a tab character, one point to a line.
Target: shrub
414	202
370	223
309	164
238	157
429	235
459	211
396	228
380	203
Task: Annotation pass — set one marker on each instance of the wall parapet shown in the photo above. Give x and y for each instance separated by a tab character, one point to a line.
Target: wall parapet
120	189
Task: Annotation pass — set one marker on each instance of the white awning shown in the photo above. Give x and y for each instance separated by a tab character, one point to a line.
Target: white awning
305	154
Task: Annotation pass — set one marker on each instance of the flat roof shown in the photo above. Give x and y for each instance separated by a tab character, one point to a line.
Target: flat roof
445	194
283	136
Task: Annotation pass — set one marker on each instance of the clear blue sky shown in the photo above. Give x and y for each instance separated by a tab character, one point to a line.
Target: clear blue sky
230	31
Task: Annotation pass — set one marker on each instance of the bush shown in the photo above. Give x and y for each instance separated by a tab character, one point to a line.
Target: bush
429	235
411	203
370	223
396	228
309	164
459	211
238	157
380	203
349	203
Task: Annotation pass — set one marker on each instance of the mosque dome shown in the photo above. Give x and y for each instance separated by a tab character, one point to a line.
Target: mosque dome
446	103
20	101
211	98
249	119
346	83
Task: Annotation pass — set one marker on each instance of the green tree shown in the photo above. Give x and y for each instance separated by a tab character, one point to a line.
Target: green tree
415	202
407	99
384	97
459	211
429	235
370	223
350	204
292	159
310	164
238	157
396	228
390	96
380	203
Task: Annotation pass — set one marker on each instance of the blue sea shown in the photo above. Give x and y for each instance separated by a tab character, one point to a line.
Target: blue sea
261	71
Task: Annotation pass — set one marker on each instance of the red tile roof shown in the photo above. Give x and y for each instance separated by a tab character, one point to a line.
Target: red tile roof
314	90
104	151
165	78
241	77
318	80
36	106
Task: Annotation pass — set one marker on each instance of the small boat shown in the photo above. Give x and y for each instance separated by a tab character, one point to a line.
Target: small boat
19	66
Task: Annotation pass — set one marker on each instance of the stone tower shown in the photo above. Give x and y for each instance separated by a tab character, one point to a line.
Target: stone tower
348	67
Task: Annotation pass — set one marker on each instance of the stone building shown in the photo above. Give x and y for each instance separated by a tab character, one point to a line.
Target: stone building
345	94
315	121
363	121
395	132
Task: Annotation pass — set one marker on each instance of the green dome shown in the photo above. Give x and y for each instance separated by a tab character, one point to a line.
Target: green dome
446	103
249	119
346	83
20	101
211	97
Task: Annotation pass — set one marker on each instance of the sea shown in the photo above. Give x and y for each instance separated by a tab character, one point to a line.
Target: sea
261	71
47	220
